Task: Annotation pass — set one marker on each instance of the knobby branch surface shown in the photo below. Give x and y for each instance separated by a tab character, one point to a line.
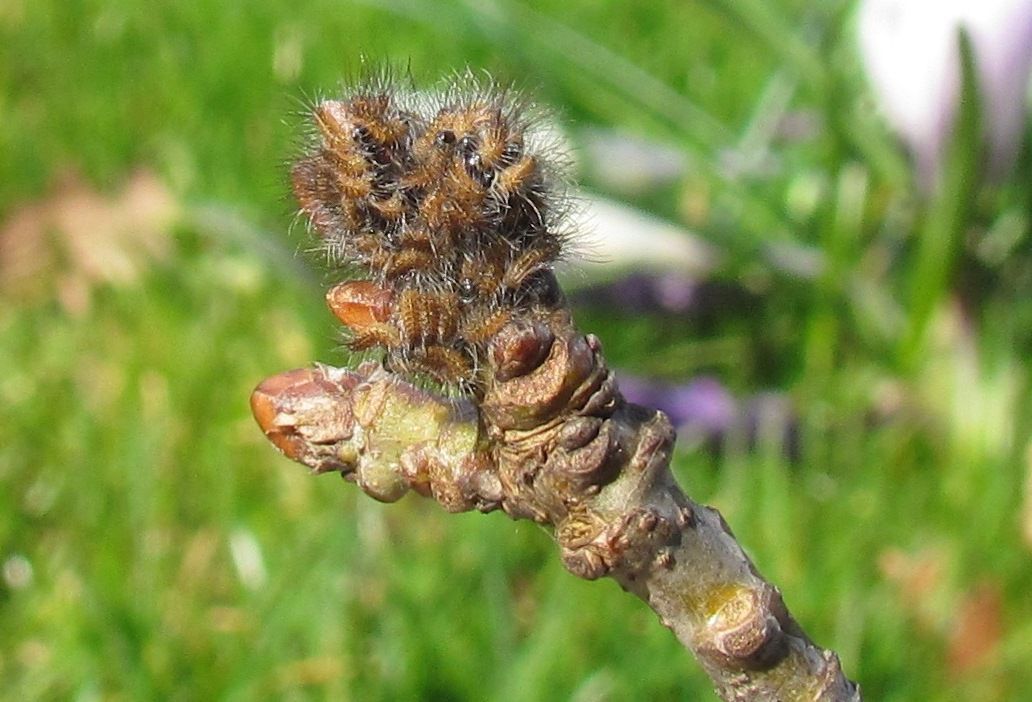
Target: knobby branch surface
448	208
552	440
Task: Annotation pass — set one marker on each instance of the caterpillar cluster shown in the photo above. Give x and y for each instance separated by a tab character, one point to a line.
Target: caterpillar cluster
447	206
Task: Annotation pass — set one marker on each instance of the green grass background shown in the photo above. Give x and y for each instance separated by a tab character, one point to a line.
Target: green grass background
134	484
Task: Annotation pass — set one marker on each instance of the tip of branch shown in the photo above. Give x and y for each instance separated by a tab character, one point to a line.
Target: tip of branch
267	408
306	414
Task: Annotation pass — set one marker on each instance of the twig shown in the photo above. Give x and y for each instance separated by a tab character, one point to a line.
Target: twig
555	442
449	209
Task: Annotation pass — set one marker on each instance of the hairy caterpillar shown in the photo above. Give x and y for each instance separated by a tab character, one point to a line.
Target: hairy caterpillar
449	204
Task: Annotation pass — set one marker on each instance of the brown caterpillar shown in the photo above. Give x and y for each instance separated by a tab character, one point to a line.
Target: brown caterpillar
448	204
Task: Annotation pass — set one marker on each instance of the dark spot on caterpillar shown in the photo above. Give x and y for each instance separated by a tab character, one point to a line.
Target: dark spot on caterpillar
485	178
467	290
392	238
361	135
411	196
510	153
445	137
542	288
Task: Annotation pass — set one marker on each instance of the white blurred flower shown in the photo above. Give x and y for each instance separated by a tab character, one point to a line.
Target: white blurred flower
624	163
617	238
247	558
17	571
910	50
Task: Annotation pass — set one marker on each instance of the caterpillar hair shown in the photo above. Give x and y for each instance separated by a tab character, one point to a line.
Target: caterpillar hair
449	204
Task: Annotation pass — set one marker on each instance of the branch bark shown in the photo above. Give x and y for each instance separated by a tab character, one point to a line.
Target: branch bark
551	439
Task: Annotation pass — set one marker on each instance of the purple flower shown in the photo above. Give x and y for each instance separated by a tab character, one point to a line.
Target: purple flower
705	410
702	404
665	293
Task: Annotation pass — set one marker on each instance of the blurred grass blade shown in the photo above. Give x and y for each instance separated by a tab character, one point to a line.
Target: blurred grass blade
941	235
760	223
781	38
826	81
548	45
605	65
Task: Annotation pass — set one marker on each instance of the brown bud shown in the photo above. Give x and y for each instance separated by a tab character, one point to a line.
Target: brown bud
306	414
519	349
360	304
745	629
267	408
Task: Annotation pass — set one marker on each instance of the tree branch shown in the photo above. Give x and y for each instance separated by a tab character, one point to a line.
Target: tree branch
553	440
449	208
